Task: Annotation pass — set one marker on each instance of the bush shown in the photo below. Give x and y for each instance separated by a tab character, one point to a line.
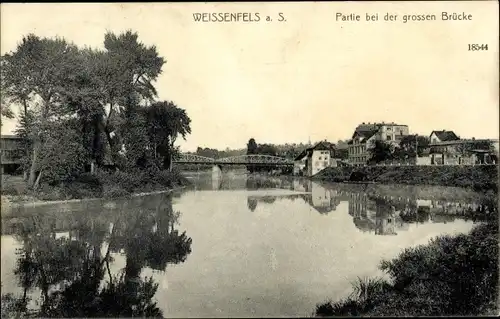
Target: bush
478	178
114	191
449	276
10	190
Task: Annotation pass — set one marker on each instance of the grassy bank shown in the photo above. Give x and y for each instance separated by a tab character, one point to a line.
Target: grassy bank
452	275
478	178
100	185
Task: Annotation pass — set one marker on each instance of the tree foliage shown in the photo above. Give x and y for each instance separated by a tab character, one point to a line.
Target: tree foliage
88	105
380	151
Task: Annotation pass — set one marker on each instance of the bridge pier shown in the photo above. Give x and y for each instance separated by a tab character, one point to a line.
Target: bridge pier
216	169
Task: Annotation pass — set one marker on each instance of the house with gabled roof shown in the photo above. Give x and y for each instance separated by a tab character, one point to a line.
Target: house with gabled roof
366	134
314	159
358	146
443	136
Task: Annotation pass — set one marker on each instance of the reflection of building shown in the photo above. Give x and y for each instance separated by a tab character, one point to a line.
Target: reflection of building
375	215
322	199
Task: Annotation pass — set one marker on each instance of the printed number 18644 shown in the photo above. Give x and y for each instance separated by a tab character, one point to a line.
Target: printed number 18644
478	47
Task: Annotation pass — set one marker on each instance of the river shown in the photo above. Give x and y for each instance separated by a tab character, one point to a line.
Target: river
230	246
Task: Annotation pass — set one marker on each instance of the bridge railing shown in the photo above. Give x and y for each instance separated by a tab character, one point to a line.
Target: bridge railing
240	159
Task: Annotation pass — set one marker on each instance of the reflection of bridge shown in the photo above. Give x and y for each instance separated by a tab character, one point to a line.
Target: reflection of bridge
252	159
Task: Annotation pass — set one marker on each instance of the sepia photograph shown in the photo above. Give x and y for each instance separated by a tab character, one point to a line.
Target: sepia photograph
249	159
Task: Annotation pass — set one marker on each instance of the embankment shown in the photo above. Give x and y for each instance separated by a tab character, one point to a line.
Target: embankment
91	187
478	178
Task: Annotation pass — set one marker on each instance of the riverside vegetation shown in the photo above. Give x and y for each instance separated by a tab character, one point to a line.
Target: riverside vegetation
89	119
478	178
451	275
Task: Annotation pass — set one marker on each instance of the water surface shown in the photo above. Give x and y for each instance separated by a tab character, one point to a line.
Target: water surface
231	246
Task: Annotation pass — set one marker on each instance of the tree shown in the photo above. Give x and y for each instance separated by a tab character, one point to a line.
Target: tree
381	151
251	146
411	145
37	74
165	122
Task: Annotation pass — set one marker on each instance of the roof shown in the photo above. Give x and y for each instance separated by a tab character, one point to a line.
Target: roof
364	135
302	154
8	136
445	135
321	146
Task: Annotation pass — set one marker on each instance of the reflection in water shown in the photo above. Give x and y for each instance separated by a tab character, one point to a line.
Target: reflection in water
67	260
74	277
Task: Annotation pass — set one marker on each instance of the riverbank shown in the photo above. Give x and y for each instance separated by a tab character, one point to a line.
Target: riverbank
452	275
91	187
477	178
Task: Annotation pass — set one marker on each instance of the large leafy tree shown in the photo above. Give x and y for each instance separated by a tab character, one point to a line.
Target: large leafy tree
412	145
380	151
165	123
37	74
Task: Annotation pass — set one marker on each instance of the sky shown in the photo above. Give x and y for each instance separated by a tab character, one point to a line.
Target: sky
307	78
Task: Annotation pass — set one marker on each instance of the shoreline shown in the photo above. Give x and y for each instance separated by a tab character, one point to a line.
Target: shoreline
476	178
6	199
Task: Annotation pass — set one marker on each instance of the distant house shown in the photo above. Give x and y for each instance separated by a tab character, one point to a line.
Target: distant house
365	135
300	162
11	150
359	147
314	159
443	136
446	148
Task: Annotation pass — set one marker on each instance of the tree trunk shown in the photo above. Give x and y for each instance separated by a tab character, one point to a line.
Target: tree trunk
37	182
170	164
26	149
34	159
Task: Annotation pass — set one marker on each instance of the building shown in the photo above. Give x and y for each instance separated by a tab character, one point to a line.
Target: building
446	148
300	162
314	159
365	135
11	149
443	136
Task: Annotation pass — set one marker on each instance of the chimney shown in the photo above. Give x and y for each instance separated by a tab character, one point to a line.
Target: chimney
364	123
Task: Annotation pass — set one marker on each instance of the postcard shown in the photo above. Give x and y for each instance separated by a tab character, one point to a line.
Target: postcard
249	159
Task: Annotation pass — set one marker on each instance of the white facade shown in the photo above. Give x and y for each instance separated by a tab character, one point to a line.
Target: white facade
319	160
434	138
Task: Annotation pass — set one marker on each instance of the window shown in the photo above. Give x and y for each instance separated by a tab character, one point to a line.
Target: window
320	158
389	128
388	137
401	132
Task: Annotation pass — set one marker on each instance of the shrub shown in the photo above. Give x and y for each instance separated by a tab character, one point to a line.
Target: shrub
114	191
10	190
449	276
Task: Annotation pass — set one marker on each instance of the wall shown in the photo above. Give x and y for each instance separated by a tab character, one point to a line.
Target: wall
298	166
320	159
358	154
390	132
426	160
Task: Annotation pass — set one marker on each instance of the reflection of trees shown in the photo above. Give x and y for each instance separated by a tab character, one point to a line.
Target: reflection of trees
252	203
385	214
69	271
256	182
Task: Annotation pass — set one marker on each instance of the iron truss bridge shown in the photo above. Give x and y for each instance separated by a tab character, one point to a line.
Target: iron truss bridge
257	160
